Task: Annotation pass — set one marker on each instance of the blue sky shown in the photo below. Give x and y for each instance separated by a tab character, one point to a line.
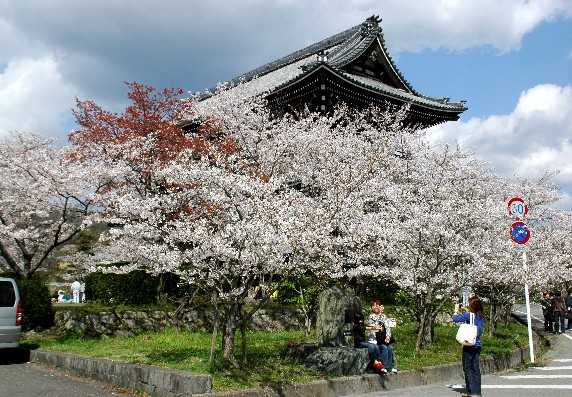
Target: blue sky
490	81
511	60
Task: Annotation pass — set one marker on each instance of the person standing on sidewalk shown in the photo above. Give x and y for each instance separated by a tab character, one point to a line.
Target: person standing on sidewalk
547	312
569	307
472	354
559	310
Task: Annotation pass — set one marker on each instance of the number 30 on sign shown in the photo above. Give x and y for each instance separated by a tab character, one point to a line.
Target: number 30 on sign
516	208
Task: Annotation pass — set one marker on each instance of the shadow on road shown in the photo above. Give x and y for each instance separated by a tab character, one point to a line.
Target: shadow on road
14	356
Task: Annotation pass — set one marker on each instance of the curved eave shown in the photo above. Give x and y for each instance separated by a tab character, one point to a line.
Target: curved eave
377	92
389	63
371	85
341	59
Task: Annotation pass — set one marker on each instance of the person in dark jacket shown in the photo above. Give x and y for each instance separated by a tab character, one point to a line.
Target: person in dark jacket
569	308
472	354
547	312
559	308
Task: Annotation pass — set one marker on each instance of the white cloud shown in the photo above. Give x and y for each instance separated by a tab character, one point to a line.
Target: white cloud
34	98
535	138
89	48
462	24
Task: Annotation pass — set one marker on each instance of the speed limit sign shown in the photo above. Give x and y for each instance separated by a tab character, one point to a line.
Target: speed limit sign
516	208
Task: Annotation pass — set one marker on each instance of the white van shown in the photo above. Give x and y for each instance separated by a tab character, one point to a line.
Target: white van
10	313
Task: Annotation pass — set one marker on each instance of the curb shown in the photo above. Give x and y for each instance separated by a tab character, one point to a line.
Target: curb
369	383
155	381
164	382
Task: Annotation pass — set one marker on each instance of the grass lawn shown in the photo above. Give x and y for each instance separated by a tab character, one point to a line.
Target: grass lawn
190	351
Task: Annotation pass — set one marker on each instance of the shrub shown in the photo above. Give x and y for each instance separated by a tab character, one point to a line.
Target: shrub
311	286
37	310
133	288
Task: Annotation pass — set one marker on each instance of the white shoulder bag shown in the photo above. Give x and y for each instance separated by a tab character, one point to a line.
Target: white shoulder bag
467	333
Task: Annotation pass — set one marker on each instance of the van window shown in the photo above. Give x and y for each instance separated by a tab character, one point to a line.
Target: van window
7	294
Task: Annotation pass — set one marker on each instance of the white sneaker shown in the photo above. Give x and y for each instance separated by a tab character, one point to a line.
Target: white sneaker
383	371
394	370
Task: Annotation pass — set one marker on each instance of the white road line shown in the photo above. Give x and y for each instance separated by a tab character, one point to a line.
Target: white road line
537	377
552	368
563	360
558	387
561	387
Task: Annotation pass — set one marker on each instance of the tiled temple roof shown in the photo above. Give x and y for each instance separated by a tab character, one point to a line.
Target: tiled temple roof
343	55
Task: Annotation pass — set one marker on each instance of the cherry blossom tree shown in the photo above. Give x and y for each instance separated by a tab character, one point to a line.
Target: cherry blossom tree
434	206
462	227
501	272
138	144
45	195
250	197
245	196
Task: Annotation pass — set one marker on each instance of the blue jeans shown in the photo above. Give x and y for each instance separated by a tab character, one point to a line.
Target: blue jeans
386	356
373	350
472	369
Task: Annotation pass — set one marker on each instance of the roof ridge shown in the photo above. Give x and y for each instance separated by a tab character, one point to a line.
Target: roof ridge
297	55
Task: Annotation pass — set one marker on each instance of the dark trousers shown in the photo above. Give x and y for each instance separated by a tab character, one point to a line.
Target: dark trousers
559	322
472	369
548	320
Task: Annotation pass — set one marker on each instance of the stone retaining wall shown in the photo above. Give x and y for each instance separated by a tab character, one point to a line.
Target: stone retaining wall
155	381
126	323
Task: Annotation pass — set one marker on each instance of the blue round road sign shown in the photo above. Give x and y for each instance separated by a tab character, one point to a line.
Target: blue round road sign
519	233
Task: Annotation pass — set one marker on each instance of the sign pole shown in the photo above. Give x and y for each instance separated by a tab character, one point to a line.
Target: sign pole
520	234
528	319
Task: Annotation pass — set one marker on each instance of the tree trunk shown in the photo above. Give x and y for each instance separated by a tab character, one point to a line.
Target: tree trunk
492	317
426	329
229	334
507	313
162	286
244	343
215	329
307	319
426	318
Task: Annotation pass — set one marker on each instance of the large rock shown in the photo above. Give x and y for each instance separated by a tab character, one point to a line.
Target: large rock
335	315
338	361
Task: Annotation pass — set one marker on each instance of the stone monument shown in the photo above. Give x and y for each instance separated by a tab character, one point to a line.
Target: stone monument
335	353
336	308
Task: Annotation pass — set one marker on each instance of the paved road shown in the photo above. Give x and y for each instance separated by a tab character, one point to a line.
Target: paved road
19	378
549	376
